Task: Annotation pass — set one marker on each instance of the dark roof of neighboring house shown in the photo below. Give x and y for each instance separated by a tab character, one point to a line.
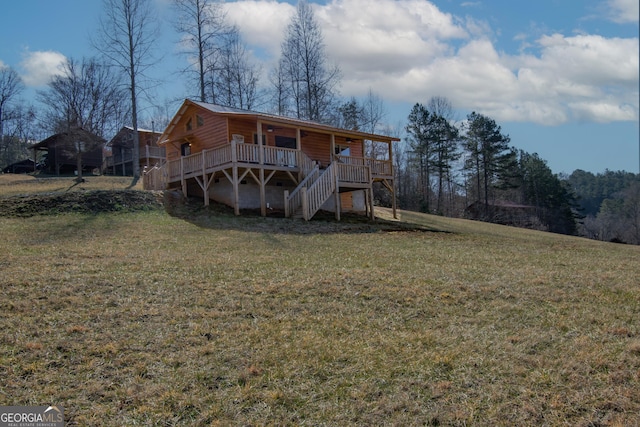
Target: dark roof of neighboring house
26	163
81	133
128	130
270	119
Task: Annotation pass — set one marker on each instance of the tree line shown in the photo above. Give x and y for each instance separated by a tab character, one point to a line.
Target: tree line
444	166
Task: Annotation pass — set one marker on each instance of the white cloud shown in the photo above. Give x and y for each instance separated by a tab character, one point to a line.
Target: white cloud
391	37
39	67
624	11
590	77
262	23
409	51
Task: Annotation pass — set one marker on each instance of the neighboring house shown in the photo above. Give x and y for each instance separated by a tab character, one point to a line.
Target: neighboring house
62	150
299	167
23	166
120	162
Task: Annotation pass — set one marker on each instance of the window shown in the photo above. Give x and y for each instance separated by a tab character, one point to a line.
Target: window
343	150
285	142
264	139
199	120
189	125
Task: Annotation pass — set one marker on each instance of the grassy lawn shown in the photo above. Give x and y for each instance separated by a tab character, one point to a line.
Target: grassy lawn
146	318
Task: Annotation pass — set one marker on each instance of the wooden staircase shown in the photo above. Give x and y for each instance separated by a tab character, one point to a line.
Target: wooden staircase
309	196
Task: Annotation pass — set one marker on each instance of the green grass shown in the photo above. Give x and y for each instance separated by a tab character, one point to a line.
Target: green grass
148	319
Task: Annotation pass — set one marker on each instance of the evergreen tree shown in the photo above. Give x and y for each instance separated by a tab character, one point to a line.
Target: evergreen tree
351	115
553	201
422	150
489	158
445	138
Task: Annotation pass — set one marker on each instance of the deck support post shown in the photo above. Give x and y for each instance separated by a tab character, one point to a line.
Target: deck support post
370	179
263	197
337	203
286	203
183	182
234	177
236	194
366	203
205	181
372	215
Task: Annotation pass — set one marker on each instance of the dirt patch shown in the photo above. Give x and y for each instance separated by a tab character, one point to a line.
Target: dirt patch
92	202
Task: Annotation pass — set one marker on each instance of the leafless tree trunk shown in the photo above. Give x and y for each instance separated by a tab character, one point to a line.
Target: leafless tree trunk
10	86
204	32
304	64
238	83
88	95
280	97
128	29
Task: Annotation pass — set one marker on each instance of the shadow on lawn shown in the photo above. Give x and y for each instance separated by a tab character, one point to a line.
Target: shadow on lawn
219	216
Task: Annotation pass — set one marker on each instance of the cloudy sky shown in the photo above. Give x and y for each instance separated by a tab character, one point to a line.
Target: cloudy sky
559	76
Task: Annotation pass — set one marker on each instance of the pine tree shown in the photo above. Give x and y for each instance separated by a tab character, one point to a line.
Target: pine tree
489	157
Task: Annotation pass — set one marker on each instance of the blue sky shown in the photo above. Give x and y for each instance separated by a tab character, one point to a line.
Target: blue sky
559	76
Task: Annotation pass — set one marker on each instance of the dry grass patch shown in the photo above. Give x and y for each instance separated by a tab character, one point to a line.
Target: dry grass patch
146	318
12	185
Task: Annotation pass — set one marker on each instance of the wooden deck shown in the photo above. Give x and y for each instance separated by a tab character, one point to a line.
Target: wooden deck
238	160
149	156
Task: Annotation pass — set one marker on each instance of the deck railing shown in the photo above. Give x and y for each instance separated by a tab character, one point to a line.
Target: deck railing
349	169
293	200
155	178
246	153
356	174
378	167
149	152
314	197
278	156
217	156
240	153
306	164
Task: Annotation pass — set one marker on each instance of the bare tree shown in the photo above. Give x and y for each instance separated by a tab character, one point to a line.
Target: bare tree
88	95
441	106
238	82
303	63
204	31
280	93
127	34
87	99
373	113
10	86
19	132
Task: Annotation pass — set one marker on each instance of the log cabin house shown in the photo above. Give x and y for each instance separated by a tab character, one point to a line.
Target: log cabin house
252	160
61	152
120	162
